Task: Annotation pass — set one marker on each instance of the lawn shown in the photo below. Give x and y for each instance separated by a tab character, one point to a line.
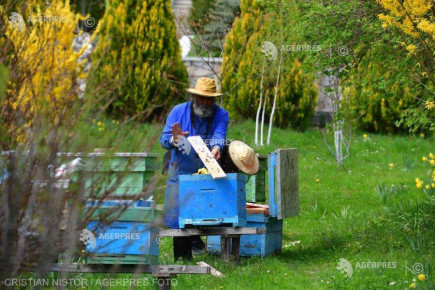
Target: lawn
368	211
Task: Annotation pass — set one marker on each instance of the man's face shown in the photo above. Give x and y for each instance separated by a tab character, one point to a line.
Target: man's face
204	100
203	106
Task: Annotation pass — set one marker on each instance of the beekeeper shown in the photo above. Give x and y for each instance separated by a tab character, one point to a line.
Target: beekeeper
198	117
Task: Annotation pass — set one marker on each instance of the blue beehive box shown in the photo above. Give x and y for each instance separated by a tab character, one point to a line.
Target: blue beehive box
255	245
205	201
129	239
122	242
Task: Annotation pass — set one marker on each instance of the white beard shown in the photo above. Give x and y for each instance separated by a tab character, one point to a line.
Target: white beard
201	110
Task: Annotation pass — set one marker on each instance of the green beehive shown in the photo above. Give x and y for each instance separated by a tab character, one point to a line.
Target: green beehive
116	174
119	174
256	184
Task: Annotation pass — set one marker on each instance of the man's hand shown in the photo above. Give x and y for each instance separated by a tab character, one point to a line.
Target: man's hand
216	152
177	133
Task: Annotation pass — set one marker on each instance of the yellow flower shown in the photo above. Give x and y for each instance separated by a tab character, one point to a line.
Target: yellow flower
421	135
433	185
422	277
417	180
429	105
424	159
391	165
101	129
413	285
83	251
432	162
317	180
419	185
99	123
365	136
411	48
431	156
427	186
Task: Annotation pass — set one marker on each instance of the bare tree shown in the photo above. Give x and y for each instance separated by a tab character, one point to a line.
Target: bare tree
257	118
274	101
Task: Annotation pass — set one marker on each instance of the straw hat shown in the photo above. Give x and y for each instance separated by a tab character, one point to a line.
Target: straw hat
244	157
205	87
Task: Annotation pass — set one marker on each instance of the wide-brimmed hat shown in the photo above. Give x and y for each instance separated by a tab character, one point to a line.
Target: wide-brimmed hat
205	87
244	157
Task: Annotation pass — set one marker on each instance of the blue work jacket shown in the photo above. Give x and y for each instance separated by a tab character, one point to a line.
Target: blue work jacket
184	159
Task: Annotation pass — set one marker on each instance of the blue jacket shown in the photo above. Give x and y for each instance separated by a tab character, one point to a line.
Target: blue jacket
184	159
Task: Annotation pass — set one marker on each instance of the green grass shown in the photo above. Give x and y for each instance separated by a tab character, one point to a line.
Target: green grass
364	211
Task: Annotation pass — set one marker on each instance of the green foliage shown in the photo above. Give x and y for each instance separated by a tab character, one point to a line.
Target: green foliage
199	14
138	52
243	62
385	76
222	15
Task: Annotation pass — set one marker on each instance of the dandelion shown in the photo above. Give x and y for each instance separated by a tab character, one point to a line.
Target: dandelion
422	277
418	183
101	129
424	159
432	162
427	186
100	123
433	185
391	165
413	285
421	135
429	105
365	136
317	180
431	156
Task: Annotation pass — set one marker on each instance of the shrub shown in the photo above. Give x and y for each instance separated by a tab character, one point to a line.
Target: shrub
138	49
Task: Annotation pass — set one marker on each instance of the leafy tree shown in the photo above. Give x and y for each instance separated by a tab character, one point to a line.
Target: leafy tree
199	14
242	68
221	18
378	52
138	49
41	68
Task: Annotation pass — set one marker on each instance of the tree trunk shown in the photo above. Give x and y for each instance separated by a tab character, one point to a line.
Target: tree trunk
257	118
274	103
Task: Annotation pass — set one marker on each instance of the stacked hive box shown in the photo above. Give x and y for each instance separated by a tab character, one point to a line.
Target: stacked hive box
255	245
122	229
205	201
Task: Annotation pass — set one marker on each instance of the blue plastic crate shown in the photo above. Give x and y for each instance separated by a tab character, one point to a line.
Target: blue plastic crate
255	245
123	238
205	201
